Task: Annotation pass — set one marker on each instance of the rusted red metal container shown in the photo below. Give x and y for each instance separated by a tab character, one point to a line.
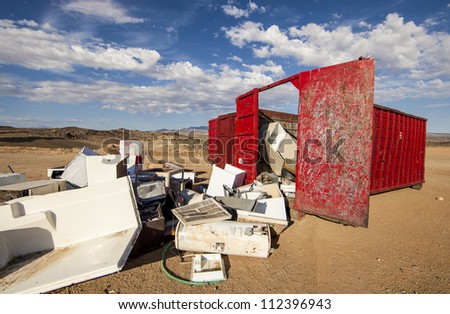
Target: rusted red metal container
398	158
348	148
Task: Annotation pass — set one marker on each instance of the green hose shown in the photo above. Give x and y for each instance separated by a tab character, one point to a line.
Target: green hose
187	282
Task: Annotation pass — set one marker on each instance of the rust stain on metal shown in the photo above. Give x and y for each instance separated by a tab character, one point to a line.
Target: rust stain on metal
335	142
25	267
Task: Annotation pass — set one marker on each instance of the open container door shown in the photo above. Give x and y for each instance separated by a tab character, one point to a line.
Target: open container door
335	141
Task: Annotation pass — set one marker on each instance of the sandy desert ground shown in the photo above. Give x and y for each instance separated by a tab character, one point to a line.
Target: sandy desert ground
405	249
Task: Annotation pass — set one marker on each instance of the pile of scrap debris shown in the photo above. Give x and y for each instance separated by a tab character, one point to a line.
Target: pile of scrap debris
99	210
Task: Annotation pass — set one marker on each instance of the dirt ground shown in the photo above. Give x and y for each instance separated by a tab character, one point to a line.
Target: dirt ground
405	249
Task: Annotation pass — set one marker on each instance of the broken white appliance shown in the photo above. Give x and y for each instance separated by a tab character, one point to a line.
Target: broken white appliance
225	237
230	176
134	151
51	241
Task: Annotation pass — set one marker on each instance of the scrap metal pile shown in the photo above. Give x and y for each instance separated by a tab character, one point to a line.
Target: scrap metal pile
99	210
338	149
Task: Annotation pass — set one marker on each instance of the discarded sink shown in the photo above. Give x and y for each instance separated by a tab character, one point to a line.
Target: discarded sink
225	237
150	192
51	241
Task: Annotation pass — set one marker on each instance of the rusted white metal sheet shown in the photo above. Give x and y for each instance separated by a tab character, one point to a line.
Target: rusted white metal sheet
225	237
55	240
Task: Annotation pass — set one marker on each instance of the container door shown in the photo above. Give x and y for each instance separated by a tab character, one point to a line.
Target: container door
335	141
246	134
225	135
212	141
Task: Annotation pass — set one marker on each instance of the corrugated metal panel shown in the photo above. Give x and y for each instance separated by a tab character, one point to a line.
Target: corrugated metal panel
225	135
246	134
212	140
335	142
398	158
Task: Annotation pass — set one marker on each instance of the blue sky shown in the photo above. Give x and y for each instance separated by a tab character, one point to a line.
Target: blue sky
171	64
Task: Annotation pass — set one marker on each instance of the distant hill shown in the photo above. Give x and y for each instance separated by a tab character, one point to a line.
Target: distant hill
438	139
197	128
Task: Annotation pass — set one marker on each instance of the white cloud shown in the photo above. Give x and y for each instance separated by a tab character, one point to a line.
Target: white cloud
431	21
397	45
188	88
48	27
235	58
438	105
27	23
33	121
364	24
107	10
236	12
38	49
389	89
268	67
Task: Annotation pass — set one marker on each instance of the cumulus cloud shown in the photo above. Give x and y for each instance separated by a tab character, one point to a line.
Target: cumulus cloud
236	12
25	44
396	44
268	67
235	58
364	24
389	89
189	90
106	10
186	88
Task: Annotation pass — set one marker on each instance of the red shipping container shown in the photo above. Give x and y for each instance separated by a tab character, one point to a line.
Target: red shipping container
398	158
348	148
